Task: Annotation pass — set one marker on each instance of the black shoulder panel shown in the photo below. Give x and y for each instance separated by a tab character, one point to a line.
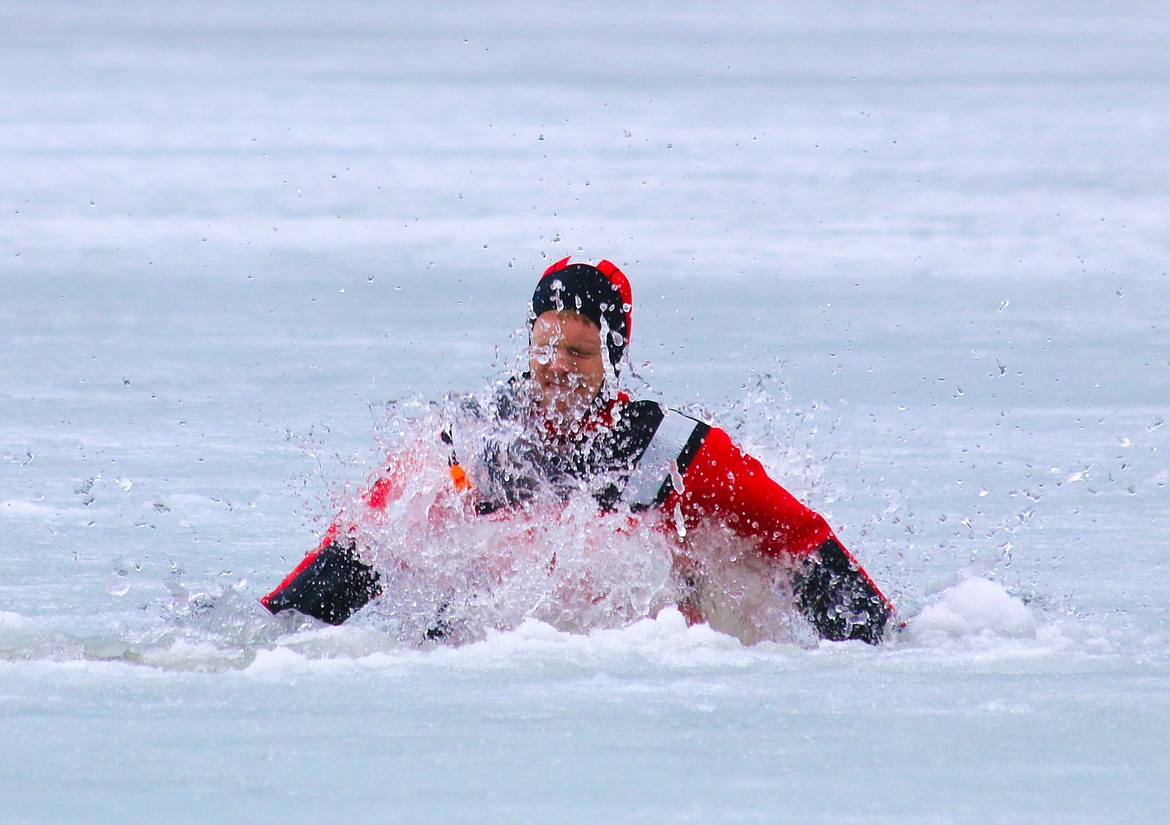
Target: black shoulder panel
632	433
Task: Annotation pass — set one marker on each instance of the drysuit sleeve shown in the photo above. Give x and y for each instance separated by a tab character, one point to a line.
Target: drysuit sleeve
332	582
726	485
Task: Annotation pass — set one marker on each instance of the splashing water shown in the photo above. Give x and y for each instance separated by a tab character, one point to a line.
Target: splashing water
552	556
448	572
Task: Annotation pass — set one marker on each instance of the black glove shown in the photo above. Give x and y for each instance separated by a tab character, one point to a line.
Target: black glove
838	599
331	587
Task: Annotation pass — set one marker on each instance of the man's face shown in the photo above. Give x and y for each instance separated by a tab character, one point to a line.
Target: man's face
566	363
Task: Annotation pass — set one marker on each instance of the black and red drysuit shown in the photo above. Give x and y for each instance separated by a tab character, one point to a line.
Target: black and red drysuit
640	455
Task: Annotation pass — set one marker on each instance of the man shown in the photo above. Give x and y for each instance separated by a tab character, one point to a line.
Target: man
578	431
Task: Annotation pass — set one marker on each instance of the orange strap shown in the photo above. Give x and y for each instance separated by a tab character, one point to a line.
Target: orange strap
462	482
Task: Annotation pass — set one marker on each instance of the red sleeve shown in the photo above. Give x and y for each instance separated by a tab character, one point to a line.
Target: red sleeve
725	484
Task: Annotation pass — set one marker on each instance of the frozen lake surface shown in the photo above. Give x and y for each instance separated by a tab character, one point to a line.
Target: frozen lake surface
914	255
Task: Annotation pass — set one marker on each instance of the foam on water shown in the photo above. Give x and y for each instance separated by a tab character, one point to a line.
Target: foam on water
228	632
975	607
